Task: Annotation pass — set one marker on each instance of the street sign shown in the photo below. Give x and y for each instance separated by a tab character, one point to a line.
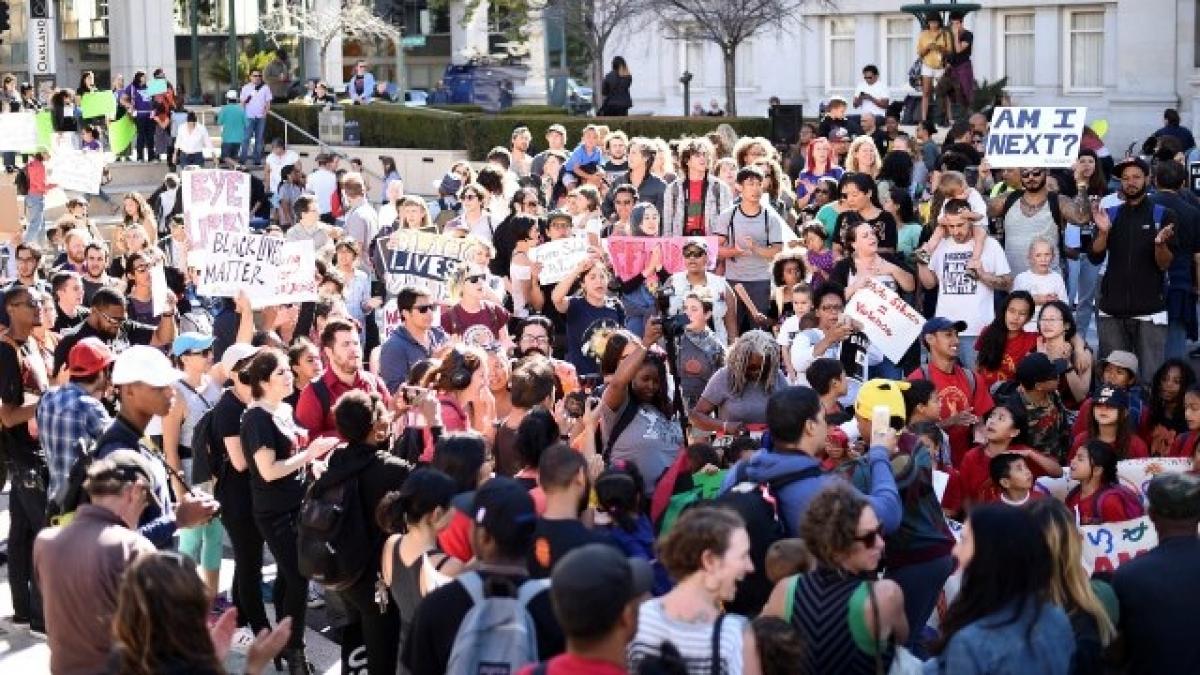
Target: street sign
413	40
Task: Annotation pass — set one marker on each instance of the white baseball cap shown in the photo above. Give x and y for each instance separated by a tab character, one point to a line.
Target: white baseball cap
148	365
235	354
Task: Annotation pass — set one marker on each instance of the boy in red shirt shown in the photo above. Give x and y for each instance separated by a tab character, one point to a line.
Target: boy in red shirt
1004	432
963	396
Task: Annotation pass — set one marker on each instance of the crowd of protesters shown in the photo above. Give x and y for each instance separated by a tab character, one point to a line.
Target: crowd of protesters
685	471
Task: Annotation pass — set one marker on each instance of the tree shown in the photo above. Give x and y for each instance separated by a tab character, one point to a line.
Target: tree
353	19
728	24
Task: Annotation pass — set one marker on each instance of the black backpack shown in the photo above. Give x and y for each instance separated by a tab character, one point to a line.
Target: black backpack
21	180
74	494
206	464
332	538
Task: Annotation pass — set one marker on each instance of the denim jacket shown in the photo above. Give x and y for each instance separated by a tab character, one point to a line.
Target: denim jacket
997	646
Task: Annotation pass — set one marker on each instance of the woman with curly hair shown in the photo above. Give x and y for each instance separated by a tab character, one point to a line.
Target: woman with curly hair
135	210
735	398
636	418
848	620
863	157
788	268
161	623
707	552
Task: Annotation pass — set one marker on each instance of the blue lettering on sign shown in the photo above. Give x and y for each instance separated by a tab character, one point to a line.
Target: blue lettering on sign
1065	116
1102	534
1134	534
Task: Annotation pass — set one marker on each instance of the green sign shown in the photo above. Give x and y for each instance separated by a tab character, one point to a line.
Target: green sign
413	40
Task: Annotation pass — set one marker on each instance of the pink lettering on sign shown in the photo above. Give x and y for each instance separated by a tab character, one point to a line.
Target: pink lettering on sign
631	254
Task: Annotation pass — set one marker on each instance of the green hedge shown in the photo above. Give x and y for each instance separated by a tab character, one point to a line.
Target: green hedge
391	126
457	107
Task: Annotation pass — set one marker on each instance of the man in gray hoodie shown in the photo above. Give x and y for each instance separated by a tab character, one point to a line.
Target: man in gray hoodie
415	339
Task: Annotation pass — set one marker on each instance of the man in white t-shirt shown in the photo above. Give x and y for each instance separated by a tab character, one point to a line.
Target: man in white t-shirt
280	157
323	183
965	288
871	96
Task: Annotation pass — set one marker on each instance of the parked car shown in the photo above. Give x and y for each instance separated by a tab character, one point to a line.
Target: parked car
579	97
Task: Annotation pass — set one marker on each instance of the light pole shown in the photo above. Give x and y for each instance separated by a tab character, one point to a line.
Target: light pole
233	46
194	90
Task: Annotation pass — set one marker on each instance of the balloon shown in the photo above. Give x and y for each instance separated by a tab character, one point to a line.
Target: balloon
1100	127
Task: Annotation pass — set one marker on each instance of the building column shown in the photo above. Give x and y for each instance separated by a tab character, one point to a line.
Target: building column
533	90
468	36
142	37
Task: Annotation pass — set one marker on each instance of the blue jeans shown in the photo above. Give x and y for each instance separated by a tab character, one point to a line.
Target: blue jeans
255	128
35	230
1085	296
1176	346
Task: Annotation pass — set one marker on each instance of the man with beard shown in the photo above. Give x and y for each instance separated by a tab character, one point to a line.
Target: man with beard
616	146
650	188
29	260
73	256
1034	211
521	161
108	321
1139	238
563	478
414	339
536	336
342	354
95	272
69	311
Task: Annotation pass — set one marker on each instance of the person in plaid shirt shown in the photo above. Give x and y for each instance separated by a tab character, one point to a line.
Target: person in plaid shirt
73	412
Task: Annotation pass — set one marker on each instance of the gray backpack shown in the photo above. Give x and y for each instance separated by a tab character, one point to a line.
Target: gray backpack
497	637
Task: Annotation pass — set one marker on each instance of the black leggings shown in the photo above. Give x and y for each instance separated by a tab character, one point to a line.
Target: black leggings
380	630
145	138
236	515
291	589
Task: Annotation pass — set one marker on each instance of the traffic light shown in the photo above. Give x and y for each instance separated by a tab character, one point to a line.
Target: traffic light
4	18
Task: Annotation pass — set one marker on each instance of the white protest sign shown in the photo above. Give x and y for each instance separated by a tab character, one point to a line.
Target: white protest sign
215	200
1134	474
940	480
1108	546
255	263
1046	137
559	258
890	323
158	290
55	197
18	132
76	171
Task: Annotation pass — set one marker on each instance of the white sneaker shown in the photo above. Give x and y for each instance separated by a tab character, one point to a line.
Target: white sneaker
242	639
316	596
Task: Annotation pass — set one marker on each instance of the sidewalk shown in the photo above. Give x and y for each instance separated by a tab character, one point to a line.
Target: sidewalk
22	653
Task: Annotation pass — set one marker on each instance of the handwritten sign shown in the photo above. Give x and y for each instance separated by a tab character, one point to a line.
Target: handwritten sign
415	258
271	270
18	132
559	258
1108	546
155	87
121	134
630	254
76	170
887	320
98	104
1137	473
1035	137
215	200
388	318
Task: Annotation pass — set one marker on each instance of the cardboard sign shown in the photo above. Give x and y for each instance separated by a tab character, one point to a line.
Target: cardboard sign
10	212
1034	137
1108	546
425	259
559	258
629	254
888	321
18	132
388	319
215	200
121	134
98	104
255	263
76	170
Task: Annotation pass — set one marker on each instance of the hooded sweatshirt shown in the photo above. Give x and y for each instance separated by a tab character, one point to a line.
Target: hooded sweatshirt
766	465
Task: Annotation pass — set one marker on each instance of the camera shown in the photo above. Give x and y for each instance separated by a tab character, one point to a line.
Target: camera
672	324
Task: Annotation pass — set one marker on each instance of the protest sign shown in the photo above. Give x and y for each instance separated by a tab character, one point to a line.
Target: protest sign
158	290
271	270
18	132
215	200
45	130
424	259
1137	473
1108	546
559	258
1034	137
388	318
888	321
10	219
1194	176
155	87
121	134
629	254
98	104
55	197
76	170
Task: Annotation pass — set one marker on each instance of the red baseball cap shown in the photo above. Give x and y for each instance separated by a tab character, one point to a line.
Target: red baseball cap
89	356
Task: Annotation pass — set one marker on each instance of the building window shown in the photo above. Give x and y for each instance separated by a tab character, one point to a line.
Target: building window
1085	50
841	68
898	51
1016	45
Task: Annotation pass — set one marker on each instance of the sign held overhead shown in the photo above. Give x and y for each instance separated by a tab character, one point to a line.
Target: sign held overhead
1046	137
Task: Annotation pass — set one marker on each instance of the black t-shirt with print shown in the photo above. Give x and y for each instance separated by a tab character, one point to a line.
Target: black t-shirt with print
260	430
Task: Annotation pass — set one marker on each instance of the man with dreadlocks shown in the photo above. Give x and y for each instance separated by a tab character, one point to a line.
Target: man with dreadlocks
739	390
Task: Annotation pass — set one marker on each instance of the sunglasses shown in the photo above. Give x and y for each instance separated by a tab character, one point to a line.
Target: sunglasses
695	254
475	278
424	309
470	197
1031	174
869	539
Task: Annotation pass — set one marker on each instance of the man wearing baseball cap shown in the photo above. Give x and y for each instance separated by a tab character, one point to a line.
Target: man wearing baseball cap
80	565
964	399
74	412
144	378
504	522
1139	240
596	592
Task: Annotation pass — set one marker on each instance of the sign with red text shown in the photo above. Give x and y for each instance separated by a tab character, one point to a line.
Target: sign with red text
215	200
1106	547
630	254
271	270
887	320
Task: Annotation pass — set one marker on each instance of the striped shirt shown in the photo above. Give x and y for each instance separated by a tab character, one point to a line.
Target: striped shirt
693	640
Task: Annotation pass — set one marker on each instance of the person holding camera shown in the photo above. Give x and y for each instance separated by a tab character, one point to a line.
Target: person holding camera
636	420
